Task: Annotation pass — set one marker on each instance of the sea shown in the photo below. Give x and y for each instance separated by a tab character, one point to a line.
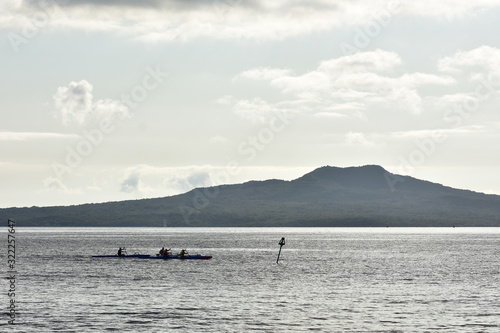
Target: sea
387	280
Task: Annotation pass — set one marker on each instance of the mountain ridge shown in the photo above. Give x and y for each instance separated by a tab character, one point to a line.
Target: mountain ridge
327	196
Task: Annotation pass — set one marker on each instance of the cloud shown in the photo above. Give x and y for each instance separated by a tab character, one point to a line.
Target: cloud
358	138
74	105
256	109
479	67
27	136
481	58
441	132
170	20
329	115
406	99
449	101
373	61
7	5
113	3
340	110
145	179
132	181
364	74
373	85
74	102
263	73
307	85
54	183
346	85
417	79
110	108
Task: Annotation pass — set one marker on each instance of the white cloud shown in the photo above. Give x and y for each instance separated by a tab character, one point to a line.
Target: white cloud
417	79
154	20
372	61
306	85
7	5
448	10
329	115
110	108
74	105
260	111
358	138
132	180
26	136
74	102
406	99
347	106
441	132
479	59
347	85
449	101
254	109
264	73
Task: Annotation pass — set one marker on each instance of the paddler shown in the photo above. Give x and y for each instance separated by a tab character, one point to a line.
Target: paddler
183	253
120	252
161	251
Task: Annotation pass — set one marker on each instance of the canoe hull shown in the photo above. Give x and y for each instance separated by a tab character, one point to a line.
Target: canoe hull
125	256
187	257
147	256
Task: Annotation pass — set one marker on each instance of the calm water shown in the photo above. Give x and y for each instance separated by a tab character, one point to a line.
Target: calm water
328	280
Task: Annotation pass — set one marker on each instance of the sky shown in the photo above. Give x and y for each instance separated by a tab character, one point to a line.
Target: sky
110	100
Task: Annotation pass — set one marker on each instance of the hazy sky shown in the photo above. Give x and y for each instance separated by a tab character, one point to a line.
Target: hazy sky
107	100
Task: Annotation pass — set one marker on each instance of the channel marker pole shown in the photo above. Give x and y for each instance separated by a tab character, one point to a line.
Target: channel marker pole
281	243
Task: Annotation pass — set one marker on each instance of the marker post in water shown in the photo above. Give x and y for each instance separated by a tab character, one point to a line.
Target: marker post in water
281	243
